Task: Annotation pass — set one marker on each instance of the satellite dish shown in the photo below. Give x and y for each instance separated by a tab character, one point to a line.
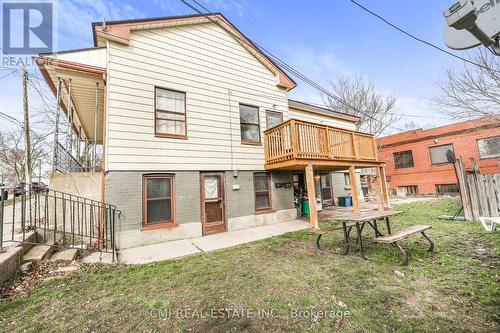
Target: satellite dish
450	156
471	23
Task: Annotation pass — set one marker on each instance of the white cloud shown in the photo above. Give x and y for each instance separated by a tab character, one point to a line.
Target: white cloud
421	111
321	67
325	66
236	6
75	16
176	7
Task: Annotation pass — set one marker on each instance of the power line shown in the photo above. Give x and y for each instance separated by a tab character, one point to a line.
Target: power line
418	38
12	72
286	66
322	105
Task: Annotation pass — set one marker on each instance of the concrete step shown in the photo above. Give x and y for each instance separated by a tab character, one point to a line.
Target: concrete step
64	255
50	238
38	253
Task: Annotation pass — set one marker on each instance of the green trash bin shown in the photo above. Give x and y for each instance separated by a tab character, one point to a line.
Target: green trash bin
305	207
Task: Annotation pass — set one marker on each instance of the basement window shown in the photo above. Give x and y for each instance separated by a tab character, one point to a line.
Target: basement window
446	188
159	200
412	189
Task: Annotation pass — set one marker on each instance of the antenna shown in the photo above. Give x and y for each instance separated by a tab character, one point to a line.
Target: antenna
104	27
471	23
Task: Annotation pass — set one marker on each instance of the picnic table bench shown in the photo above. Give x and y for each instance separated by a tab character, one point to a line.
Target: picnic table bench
358	221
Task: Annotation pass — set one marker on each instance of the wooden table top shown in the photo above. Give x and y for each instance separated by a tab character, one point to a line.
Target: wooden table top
367	216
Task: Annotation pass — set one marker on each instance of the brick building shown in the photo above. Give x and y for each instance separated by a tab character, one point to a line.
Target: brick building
416	160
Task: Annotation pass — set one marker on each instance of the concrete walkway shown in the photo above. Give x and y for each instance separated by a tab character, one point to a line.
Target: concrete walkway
185	247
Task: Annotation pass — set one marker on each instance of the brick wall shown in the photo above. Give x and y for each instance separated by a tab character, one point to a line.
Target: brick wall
463	136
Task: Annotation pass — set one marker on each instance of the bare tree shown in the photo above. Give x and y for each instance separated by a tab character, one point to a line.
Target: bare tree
472	91
354	96
12	157
411	126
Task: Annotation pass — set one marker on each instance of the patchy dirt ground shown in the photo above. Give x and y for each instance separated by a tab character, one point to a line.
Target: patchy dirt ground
36	275
281	284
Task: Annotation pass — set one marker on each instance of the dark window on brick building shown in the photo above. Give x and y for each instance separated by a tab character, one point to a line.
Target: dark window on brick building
446	188
438	154
412	189
403	159
489	147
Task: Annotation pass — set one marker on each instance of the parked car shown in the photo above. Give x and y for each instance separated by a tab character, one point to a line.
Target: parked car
39	187
20	189
5	195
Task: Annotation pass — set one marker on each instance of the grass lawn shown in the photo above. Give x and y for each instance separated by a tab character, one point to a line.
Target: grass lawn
457	288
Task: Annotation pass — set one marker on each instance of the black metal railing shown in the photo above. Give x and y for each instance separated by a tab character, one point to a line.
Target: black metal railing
65	162
42	215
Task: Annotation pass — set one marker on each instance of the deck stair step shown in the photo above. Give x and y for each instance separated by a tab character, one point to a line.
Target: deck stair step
64	255
38	253
402	234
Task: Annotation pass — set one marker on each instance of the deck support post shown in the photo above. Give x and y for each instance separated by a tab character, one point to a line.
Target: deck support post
377	184
311	196
354	189
383	183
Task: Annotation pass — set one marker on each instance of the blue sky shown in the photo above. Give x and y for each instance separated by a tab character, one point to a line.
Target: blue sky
323	39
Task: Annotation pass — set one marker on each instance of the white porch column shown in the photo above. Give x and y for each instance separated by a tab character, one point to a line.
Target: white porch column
56	130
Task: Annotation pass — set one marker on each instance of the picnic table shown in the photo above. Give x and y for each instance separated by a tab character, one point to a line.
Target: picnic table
358	221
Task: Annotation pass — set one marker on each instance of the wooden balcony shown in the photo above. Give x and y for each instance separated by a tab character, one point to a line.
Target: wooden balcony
294	144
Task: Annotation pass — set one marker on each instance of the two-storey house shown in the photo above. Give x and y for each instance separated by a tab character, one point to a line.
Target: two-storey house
187	127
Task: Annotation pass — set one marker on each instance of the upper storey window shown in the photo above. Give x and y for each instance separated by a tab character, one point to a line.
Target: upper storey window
170	113
249	124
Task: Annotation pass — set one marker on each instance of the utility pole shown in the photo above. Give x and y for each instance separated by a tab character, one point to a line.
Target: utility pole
27	142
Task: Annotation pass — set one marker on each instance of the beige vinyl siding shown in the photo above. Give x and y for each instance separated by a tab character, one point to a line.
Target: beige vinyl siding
320	119
93	57
203	61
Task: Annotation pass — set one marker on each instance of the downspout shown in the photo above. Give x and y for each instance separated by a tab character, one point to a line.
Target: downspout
104	146
229	91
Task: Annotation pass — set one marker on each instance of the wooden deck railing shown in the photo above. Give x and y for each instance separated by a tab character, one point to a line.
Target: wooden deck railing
297	139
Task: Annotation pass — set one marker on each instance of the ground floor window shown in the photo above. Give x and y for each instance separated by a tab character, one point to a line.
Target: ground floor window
447	188
412	189
262	187
159	197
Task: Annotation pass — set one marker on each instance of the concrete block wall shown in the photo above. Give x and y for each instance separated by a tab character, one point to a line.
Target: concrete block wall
340	189
239	202
282	197
124	190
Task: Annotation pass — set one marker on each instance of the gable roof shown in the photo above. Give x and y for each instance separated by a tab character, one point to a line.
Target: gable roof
119	31
322	111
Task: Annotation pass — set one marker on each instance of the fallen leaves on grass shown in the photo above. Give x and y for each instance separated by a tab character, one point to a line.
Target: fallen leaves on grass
39	273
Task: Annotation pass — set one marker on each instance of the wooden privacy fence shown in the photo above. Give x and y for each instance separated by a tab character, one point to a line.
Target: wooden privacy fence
480	193
304	140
